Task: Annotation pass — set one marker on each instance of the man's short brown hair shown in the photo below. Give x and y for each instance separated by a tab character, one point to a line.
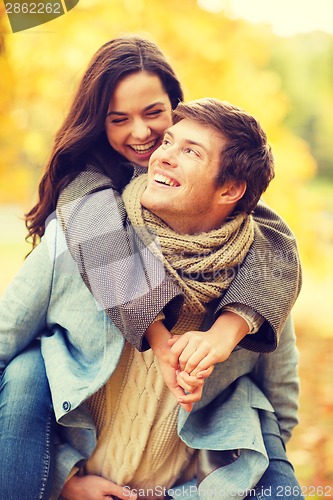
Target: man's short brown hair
247	157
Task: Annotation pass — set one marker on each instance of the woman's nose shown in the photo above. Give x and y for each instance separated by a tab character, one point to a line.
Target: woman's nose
140	130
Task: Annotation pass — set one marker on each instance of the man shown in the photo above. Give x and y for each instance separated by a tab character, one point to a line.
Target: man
213	162
196	184
89	364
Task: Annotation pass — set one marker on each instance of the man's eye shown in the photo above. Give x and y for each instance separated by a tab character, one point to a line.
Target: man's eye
166	143
192	151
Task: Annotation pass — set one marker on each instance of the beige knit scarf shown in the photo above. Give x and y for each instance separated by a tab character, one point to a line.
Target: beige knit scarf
203	265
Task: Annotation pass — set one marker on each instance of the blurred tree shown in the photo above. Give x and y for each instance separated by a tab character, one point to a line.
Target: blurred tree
305	64
13	178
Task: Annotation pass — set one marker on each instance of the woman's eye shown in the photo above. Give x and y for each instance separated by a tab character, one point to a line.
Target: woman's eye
156	112
166	143
118	121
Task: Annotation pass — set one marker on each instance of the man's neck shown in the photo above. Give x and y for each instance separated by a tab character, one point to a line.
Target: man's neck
194	225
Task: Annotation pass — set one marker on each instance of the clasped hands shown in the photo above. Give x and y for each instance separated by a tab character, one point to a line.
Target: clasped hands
187	360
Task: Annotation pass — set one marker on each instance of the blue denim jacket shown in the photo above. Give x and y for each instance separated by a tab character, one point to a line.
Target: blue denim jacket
81	348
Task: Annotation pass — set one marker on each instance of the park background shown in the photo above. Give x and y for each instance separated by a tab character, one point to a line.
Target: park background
283	78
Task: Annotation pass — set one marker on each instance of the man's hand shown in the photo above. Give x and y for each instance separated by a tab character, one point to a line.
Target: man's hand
170	378
94	488
158	337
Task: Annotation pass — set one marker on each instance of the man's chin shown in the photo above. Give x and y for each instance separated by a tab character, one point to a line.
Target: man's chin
143	199
148	199
151	204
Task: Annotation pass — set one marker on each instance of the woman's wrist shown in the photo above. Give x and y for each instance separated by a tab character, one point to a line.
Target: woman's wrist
157	336
228	330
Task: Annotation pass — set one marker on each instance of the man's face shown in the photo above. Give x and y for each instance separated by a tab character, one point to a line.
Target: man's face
181	186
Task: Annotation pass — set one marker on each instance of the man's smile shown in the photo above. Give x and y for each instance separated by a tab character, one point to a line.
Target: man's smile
162	178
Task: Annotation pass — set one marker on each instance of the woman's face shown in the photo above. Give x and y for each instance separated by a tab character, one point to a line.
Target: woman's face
138	114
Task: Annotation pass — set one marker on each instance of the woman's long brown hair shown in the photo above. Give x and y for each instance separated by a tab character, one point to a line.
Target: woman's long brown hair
83	130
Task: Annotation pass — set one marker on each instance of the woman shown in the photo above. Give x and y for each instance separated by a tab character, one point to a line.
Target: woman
82	154
81	135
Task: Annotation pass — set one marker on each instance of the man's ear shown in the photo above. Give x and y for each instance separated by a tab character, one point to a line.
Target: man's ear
231	192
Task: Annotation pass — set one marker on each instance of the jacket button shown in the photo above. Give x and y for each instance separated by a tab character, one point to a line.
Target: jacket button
66	405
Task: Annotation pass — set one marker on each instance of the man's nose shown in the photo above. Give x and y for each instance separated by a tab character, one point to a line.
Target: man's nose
140	130
169	156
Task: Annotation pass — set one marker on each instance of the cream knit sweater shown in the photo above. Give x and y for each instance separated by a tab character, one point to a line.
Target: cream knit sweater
136	417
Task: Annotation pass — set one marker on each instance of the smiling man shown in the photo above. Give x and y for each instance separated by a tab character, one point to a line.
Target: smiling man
181	181
203	183
193	211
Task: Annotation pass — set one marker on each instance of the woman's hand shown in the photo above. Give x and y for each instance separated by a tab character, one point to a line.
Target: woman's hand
94	488
196	352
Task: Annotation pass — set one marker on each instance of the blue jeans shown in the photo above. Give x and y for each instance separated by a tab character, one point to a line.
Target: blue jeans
279	480
26	429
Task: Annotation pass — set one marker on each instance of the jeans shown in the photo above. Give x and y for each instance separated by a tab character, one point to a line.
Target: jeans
279	480
26	429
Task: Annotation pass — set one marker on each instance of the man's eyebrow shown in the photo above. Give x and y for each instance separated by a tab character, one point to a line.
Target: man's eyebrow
147	108
188	141
168	131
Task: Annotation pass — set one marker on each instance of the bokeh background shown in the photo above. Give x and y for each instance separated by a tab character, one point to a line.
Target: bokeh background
282	73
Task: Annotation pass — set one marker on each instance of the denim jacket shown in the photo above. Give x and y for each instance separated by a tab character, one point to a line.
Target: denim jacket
81	348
